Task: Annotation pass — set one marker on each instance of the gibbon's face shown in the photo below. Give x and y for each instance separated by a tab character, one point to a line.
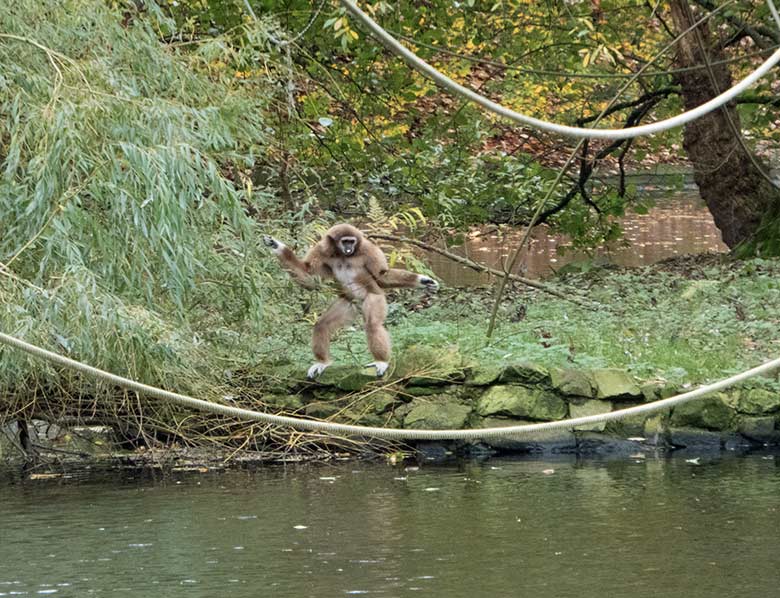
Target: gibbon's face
347	245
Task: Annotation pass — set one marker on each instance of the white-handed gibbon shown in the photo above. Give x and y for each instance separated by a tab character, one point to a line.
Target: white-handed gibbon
361	269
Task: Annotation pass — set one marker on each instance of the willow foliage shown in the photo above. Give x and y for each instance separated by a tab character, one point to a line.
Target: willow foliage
123	240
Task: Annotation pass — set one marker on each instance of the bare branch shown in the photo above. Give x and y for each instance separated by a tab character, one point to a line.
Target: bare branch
483	268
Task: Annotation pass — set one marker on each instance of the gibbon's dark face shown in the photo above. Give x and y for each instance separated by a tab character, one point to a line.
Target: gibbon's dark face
347	245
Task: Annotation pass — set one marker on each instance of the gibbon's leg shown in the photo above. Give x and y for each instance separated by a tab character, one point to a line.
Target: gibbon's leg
336	316
403	279
374	313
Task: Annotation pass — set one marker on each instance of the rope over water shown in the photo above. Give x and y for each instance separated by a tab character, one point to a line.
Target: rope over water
387	433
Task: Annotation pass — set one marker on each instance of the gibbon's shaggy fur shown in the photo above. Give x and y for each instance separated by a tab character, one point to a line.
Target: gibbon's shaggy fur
360	267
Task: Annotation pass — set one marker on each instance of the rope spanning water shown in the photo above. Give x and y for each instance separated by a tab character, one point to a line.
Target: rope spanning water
626	133
387	433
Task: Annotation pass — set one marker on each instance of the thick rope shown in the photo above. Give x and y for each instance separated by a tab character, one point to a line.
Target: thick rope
626	133
388	433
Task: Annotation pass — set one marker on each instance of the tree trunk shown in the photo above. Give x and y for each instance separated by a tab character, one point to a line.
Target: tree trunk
743	203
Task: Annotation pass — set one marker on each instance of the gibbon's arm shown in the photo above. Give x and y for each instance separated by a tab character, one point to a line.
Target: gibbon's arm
374	260
306	271
403	279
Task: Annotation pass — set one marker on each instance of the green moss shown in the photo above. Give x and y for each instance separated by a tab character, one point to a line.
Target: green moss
522	402
757	401
572	382
525	372
710	412
612	383
436	414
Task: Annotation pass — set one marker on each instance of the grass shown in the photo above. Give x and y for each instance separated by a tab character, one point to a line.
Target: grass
684	323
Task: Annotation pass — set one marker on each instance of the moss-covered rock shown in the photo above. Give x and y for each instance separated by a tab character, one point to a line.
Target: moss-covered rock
612	383
89	440
422	391
696	438
280	378
554	441
757	401
284	402
651	391
519	401
591	407
483	374
427	366
322	409
442	414
656	430
525	372
760	429
572	382
347	378
712	413
382	401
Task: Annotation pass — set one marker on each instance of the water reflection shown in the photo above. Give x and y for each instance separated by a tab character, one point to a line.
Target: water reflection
678	226
562	527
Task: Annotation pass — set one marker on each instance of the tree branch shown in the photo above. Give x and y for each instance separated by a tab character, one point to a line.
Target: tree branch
762	36
483	268
656	94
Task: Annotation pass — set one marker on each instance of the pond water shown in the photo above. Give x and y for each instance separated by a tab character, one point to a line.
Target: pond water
560	528
679	224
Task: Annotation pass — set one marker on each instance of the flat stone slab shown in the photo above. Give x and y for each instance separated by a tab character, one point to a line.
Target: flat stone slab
712	413
525	372
521	402
591	407
555	441
436	415
612	383
572	382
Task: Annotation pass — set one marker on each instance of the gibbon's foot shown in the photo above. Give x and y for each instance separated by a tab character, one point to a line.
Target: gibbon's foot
429	284
276	246
316	369
381	367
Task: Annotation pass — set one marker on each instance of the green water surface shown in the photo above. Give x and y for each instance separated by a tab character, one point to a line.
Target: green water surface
539	528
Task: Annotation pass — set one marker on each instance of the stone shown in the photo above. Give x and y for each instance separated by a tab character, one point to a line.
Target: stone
522	402
572	382
695	438
422	391
669	390
380	402
282	378
525	372
612	383
651	391
591	407
554	441
757	401
436	415
603	444
9	448
760	429
428	366
438	452
655	430
710	412
88	440
284	402
347	378
483	375
322	409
